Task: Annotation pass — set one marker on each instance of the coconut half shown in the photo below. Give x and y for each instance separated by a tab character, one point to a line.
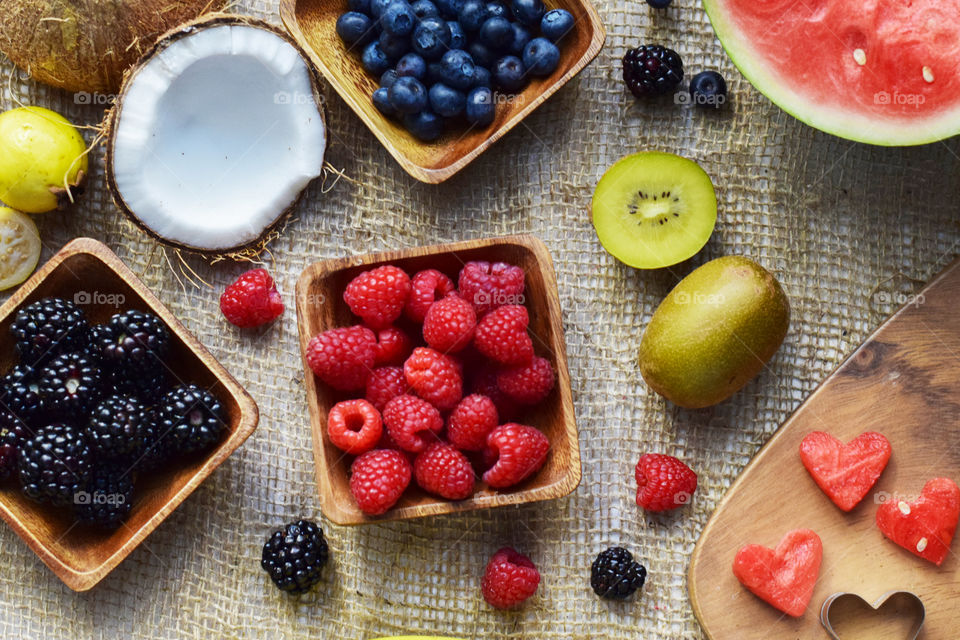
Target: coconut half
216	132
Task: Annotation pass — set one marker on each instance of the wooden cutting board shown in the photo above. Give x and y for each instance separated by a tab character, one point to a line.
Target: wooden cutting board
904	382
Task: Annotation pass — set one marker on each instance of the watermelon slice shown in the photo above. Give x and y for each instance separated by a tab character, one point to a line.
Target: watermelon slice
876	71
783	577
845	472
926	526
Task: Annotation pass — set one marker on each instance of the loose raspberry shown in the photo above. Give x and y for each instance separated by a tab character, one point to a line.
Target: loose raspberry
485	384
449	324
343	358
409	419
428	286
354	426
378	478
488	286
379	295
502	336
663	482
393	347
434	377
510	579
471	421
385	384
252	300
528	384
444	471
521	450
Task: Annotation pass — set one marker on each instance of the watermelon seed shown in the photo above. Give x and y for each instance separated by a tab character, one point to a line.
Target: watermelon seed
904	508
860	56
921	545
928	74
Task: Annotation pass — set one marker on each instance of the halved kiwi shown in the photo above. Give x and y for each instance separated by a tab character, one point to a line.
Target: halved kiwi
653	209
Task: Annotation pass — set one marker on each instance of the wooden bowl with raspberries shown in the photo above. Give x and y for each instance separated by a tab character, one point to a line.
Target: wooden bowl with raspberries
437	380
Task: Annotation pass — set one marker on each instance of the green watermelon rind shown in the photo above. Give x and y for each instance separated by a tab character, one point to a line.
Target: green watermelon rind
851	125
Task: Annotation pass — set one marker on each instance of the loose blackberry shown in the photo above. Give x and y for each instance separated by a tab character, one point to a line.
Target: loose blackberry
20	395
652	70
70	386
614	574
55	464
12	434
295	556
47	328
117	427
133	344
106	499
190	418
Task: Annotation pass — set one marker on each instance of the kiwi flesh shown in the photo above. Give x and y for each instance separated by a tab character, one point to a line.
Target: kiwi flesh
653	209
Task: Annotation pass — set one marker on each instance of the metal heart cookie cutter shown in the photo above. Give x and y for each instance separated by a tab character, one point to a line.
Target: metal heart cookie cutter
902	604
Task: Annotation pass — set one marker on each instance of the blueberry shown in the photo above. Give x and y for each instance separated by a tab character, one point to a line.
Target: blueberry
374	59
381	100
480	108
556	23
456	69
472	15
360	6
708	89
659	4
398	18
447	101
388	78
354	27
394	46
425	125
458	39
541	57
496	33
449	9
509	74
521	36
481	54
424	9
413	66
431	38
497	10
408	95
528	12
377	7
481	77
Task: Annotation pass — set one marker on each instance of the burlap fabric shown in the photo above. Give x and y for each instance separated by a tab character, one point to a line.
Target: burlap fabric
848	228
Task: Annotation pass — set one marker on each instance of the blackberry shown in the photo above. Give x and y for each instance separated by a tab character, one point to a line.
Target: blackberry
70	386
107	498
55	464
614	574
149	387
12	434
652	70
117	427
157	449
133	344
190	419
49	327
20	395
295	556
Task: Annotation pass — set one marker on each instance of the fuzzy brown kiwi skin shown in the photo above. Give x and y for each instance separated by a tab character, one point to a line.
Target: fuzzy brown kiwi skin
258	244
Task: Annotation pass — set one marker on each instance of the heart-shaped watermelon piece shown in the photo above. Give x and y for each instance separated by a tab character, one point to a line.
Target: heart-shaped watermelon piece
924	527
845	472
783	577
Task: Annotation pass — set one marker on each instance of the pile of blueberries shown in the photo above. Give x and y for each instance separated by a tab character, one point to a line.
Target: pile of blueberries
443	59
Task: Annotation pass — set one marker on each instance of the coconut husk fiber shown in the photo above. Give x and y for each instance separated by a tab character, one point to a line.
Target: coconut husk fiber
837	221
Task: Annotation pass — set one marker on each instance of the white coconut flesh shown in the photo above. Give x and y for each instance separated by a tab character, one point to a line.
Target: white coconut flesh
216	136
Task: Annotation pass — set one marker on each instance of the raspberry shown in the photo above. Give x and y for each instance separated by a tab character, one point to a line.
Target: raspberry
663	482
510	579
343	357
379	295
426	288
354	426
407	417
485	384
502	336
378	478
444	471
385	384
521	451
393	347
488	286
434	377
528	384
449	324
252	300
471	421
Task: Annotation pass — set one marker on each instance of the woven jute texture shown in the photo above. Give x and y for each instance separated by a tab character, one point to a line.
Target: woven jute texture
847	228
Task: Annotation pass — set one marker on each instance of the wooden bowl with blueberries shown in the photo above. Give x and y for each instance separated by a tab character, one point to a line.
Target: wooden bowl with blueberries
439	81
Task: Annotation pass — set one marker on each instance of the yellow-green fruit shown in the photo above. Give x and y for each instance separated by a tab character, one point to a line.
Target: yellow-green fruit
42	160
19	247
714	332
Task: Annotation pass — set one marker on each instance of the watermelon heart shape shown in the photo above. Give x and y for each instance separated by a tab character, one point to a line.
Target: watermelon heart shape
845	472
783	577
924	527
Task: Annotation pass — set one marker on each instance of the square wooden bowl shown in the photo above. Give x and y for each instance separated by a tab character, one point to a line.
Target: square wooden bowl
88	273
320	306
312	24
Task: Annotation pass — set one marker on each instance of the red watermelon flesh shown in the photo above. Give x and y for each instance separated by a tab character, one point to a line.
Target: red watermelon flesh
845	472
783	577
924	527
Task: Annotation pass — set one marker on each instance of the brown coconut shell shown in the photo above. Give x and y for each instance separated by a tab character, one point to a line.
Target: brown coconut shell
86	45
247	250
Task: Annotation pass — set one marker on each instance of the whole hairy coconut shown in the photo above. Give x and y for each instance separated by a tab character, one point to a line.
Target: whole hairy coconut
86	45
